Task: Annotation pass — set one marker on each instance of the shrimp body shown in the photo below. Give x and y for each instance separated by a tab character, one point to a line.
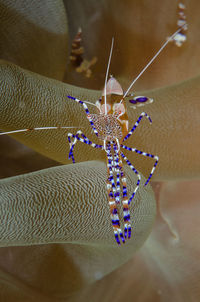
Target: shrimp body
111	127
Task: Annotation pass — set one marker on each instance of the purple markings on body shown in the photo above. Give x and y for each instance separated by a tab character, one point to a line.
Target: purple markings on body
141	99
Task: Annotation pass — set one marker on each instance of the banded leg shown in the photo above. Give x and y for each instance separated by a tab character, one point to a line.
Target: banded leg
136	124
86	111
71	146
112	200
144	154
82	139
116	169
138	176
126	212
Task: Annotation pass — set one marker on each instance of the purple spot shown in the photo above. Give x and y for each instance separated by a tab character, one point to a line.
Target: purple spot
142	99
133	101
139	99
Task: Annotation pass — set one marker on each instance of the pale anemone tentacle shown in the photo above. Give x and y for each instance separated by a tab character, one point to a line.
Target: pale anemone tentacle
172	112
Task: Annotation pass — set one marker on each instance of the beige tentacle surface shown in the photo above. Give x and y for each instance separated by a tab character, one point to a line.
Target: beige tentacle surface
29	33
68	205
31	100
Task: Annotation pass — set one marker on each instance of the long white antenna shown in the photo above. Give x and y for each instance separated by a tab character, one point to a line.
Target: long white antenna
107	71
35	129
154	57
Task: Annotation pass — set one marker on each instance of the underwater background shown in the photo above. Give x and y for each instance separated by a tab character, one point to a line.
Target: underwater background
55	233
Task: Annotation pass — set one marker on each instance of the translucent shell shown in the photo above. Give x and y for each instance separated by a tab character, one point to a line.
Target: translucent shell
112	87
